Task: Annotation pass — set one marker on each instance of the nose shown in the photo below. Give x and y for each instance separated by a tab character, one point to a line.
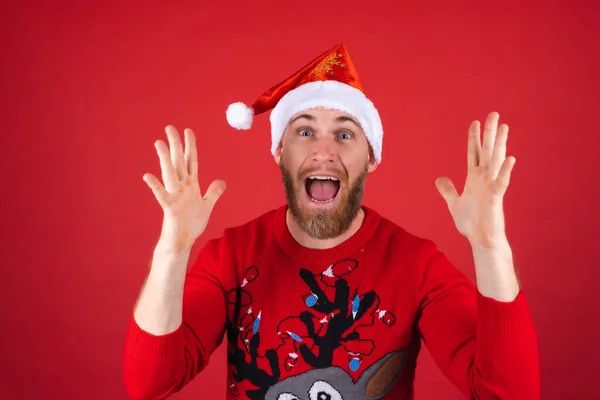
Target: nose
324	150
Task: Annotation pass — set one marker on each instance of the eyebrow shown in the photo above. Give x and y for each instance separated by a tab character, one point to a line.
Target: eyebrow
341	118
305	116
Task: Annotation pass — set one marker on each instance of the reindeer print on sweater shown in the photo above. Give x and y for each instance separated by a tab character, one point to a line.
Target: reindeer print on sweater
301	365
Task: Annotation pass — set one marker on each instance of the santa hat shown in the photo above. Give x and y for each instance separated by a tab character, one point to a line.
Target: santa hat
329	81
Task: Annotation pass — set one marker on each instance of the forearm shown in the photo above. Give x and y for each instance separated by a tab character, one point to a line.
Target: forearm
506	358
487	348
495	272
162	354
159	307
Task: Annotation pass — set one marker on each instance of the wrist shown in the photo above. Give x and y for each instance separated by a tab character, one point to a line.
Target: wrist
495	245
166	248
169	263
495	272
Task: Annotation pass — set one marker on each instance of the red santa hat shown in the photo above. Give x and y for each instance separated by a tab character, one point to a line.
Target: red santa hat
329	81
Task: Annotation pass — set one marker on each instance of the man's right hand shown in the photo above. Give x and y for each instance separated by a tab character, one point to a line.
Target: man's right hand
186	211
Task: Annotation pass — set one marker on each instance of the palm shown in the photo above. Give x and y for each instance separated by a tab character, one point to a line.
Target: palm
189	210
186	211
478	212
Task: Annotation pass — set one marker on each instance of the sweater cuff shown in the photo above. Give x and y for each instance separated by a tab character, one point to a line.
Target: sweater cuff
156	348
500	319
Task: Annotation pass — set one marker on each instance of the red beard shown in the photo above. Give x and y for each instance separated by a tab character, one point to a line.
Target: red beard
324	224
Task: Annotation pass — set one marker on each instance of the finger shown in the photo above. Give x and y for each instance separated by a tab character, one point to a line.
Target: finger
447	190
169	175
214	191
176	151
191	153
503	179
162	196
474	145
489	137
499	154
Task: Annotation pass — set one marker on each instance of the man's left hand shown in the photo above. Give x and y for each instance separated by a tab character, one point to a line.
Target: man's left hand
478	212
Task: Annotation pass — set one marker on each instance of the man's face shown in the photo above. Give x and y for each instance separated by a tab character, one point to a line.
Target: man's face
324	158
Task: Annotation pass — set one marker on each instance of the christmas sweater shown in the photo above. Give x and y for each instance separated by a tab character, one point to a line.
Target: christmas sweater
344	323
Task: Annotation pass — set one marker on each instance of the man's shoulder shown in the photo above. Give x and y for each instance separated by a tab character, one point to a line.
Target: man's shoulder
398	238
261	225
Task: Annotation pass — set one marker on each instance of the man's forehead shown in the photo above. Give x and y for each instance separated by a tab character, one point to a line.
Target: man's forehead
324	114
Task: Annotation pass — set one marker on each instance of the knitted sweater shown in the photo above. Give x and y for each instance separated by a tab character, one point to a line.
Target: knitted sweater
342	323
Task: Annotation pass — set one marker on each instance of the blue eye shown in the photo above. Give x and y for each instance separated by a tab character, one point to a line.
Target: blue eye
345	135
305	132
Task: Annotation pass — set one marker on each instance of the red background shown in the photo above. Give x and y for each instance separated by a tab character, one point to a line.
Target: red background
87	88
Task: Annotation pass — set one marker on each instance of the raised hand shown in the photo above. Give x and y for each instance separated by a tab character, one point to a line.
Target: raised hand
186	211
478	211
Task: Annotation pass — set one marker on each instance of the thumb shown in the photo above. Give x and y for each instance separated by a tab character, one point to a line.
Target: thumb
447	190
214	191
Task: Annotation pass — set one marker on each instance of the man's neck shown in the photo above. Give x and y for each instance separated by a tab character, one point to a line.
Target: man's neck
322	244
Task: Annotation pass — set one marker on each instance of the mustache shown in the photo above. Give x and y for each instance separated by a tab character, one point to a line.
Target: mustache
340	173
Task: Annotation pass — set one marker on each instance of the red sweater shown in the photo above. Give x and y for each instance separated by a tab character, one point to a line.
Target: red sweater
343	323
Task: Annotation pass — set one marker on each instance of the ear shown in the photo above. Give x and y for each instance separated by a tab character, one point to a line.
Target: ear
277	155
380	377
279	151
372	165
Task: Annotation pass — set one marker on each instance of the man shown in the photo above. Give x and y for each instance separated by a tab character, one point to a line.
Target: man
323	298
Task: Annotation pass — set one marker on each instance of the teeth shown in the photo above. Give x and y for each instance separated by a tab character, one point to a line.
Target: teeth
324	178
323	201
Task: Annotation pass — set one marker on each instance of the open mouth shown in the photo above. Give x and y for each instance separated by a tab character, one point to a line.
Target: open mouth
322	188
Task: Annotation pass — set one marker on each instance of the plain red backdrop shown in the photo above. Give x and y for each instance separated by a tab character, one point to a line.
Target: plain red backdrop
87	87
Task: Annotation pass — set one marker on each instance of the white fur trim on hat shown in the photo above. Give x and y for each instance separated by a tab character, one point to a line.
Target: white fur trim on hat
239	116
332	95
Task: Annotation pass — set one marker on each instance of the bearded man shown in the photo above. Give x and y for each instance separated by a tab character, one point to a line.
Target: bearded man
323	298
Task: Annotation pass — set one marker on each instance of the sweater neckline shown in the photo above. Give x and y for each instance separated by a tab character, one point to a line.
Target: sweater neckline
309	256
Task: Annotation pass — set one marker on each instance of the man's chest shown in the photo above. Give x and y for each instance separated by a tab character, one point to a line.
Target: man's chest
345	320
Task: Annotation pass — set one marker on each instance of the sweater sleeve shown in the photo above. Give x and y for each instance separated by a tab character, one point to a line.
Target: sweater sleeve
155	367
487	348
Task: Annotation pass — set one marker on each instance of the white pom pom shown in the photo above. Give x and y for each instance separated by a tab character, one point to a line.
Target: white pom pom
240	115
